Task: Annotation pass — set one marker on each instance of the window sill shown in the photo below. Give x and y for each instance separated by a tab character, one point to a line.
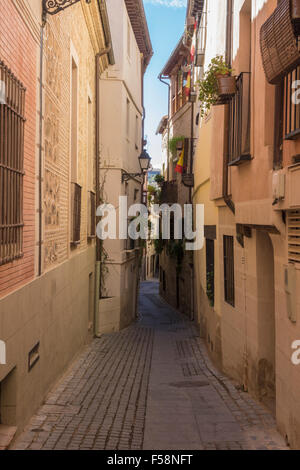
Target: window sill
240	160
292	135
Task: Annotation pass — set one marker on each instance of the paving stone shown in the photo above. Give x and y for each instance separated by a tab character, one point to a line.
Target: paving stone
120	394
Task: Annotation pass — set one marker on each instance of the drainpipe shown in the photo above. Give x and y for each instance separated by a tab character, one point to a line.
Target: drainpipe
41	148
228	56
160	78
100	54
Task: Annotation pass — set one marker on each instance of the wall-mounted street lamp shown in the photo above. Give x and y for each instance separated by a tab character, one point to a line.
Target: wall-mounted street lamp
51	7
144	161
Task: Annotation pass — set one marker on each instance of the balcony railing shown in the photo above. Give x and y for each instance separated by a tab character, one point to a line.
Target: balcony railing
76	191
169	193
239	122
291	108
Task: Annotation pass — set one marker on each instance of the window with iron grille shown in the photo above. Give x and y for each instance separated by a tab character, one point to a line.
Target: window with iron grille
210	271
294	236
239	122
76	213
92	212
229	290
12	120
291	108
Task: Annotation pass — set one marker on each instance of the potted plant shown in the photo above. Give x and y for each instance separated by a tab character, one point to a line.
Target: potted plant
176	144
217	82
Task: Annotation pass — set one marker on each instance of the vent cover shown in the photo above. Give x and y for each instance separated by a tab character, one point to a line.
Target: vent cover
294	236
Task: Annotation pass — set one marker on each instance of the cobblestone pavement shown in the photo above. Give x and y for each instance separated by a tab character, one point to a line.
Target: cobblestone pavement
151	386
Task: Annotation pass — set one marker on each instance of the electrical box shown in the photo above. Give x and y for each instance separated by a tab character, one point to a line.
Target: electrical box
278	186
290	290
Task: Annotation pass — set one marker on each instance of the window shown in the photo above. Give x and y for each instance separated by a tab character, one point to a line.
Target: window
12	112
210	271
74	121
128	39
127	117
294	236
90	145
136	132
229	270
76	213
239	122
291	106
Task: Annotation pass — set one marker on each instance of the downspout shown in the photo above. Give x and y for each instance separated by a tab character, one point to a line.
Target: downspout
105	51
169	96
41	147
228	57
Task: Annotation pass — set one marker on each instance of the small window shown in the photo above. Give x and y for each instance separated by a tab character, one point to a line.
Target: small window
128	39
74	122
136	132
229	270
127	117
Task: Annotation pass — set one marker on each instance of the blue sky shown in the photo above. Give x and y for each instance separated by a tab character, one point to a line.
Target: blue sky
166	20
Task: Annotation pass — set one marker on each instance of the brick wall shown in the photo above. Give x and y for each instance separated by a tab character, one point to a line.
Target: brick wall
18	50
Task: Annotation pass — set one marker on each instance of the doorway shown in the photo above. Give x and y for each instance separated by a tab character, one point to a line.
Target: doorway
266	377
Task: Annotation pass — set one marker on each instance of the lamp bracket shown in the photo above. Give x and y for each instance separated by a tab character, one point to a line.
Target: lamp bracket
131	176
51	7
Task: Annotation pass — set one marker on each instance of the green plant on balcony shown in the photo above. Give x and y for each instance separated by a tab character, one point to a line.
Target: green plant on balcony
212	85
159	179
174	143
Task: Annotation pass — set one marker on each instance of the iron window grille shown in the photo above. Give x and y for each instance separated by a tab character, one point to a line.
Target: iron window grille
76	191
12	121
291	108
210	271
229	287
239	122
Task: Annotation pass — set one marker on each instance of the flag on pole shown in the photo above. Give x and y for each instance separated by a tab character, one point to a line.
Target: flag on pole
180	163
193	46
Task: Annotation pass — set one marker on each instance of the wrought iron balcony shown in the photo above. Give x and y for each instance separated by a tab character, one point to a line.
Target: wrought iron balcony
169	193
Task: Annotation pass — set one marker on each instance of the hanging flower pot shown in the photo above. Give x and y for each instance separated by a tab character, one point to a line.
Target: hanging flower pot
226	85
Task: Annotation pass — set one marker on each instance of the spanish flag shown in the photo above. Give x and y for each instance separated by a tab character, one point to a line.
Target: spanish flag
188	84
180	163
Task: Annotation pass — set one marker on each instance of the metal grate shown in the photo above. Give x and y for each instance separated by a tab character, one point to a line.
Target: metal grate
291	108
76	213
294	236
239	122
229	270
92	212
278	42
12	111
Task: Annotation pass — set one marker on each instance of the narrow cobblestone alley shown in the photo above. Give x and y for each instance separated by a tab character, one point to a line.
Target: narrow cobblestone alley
151	386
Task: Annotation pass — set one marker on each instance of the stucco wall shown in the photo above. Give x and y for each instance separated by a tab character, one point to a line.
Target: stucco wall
53	310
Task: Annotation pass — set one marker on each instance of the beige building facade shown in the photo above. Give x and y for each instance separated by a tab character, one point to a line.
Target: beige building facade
247	175
121	136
